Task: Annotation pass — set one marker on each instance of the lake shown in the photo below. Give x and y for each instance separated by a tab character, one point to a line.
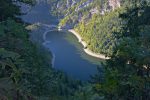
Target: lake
68	53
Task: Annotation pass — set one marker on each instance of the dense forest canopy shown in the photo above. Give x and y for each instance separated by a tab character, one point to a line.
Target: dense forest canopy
123	33
99	22
25	72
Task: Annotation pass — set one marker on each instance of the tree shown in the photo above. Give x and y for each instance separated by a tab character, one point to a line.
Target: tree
127	72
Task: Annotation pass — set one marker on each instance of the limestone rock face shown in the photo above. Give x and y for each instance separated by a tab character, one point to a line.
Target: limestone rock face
75	11
114	4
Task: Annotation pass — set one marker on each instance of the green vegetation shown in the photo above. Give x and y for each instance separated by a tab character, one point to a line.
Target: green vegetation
123	34
101	32
127	75
25	71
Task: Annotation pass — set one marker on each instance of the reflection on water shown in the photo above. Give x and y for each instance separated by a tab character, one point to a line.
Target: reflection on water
73	40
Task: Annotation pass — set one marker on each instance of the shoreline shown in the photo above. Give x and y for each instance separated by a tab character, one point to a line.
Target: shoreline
87	50
44	43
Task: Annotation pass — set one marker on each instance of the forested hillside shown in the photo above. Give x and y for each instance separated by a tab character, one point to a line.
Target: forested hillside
97	21
120	30
25	71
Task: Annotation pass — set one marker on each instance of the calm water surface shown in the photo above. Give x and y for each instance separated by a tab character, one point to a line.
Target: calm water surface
67	51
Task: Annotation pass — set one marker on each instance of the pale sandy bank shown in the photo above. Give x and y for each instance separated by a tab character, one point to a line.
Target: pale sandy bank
88	51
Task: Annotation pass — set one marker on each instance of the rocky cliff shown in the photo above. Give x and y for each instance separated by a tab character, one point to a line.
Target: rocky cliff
75	11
